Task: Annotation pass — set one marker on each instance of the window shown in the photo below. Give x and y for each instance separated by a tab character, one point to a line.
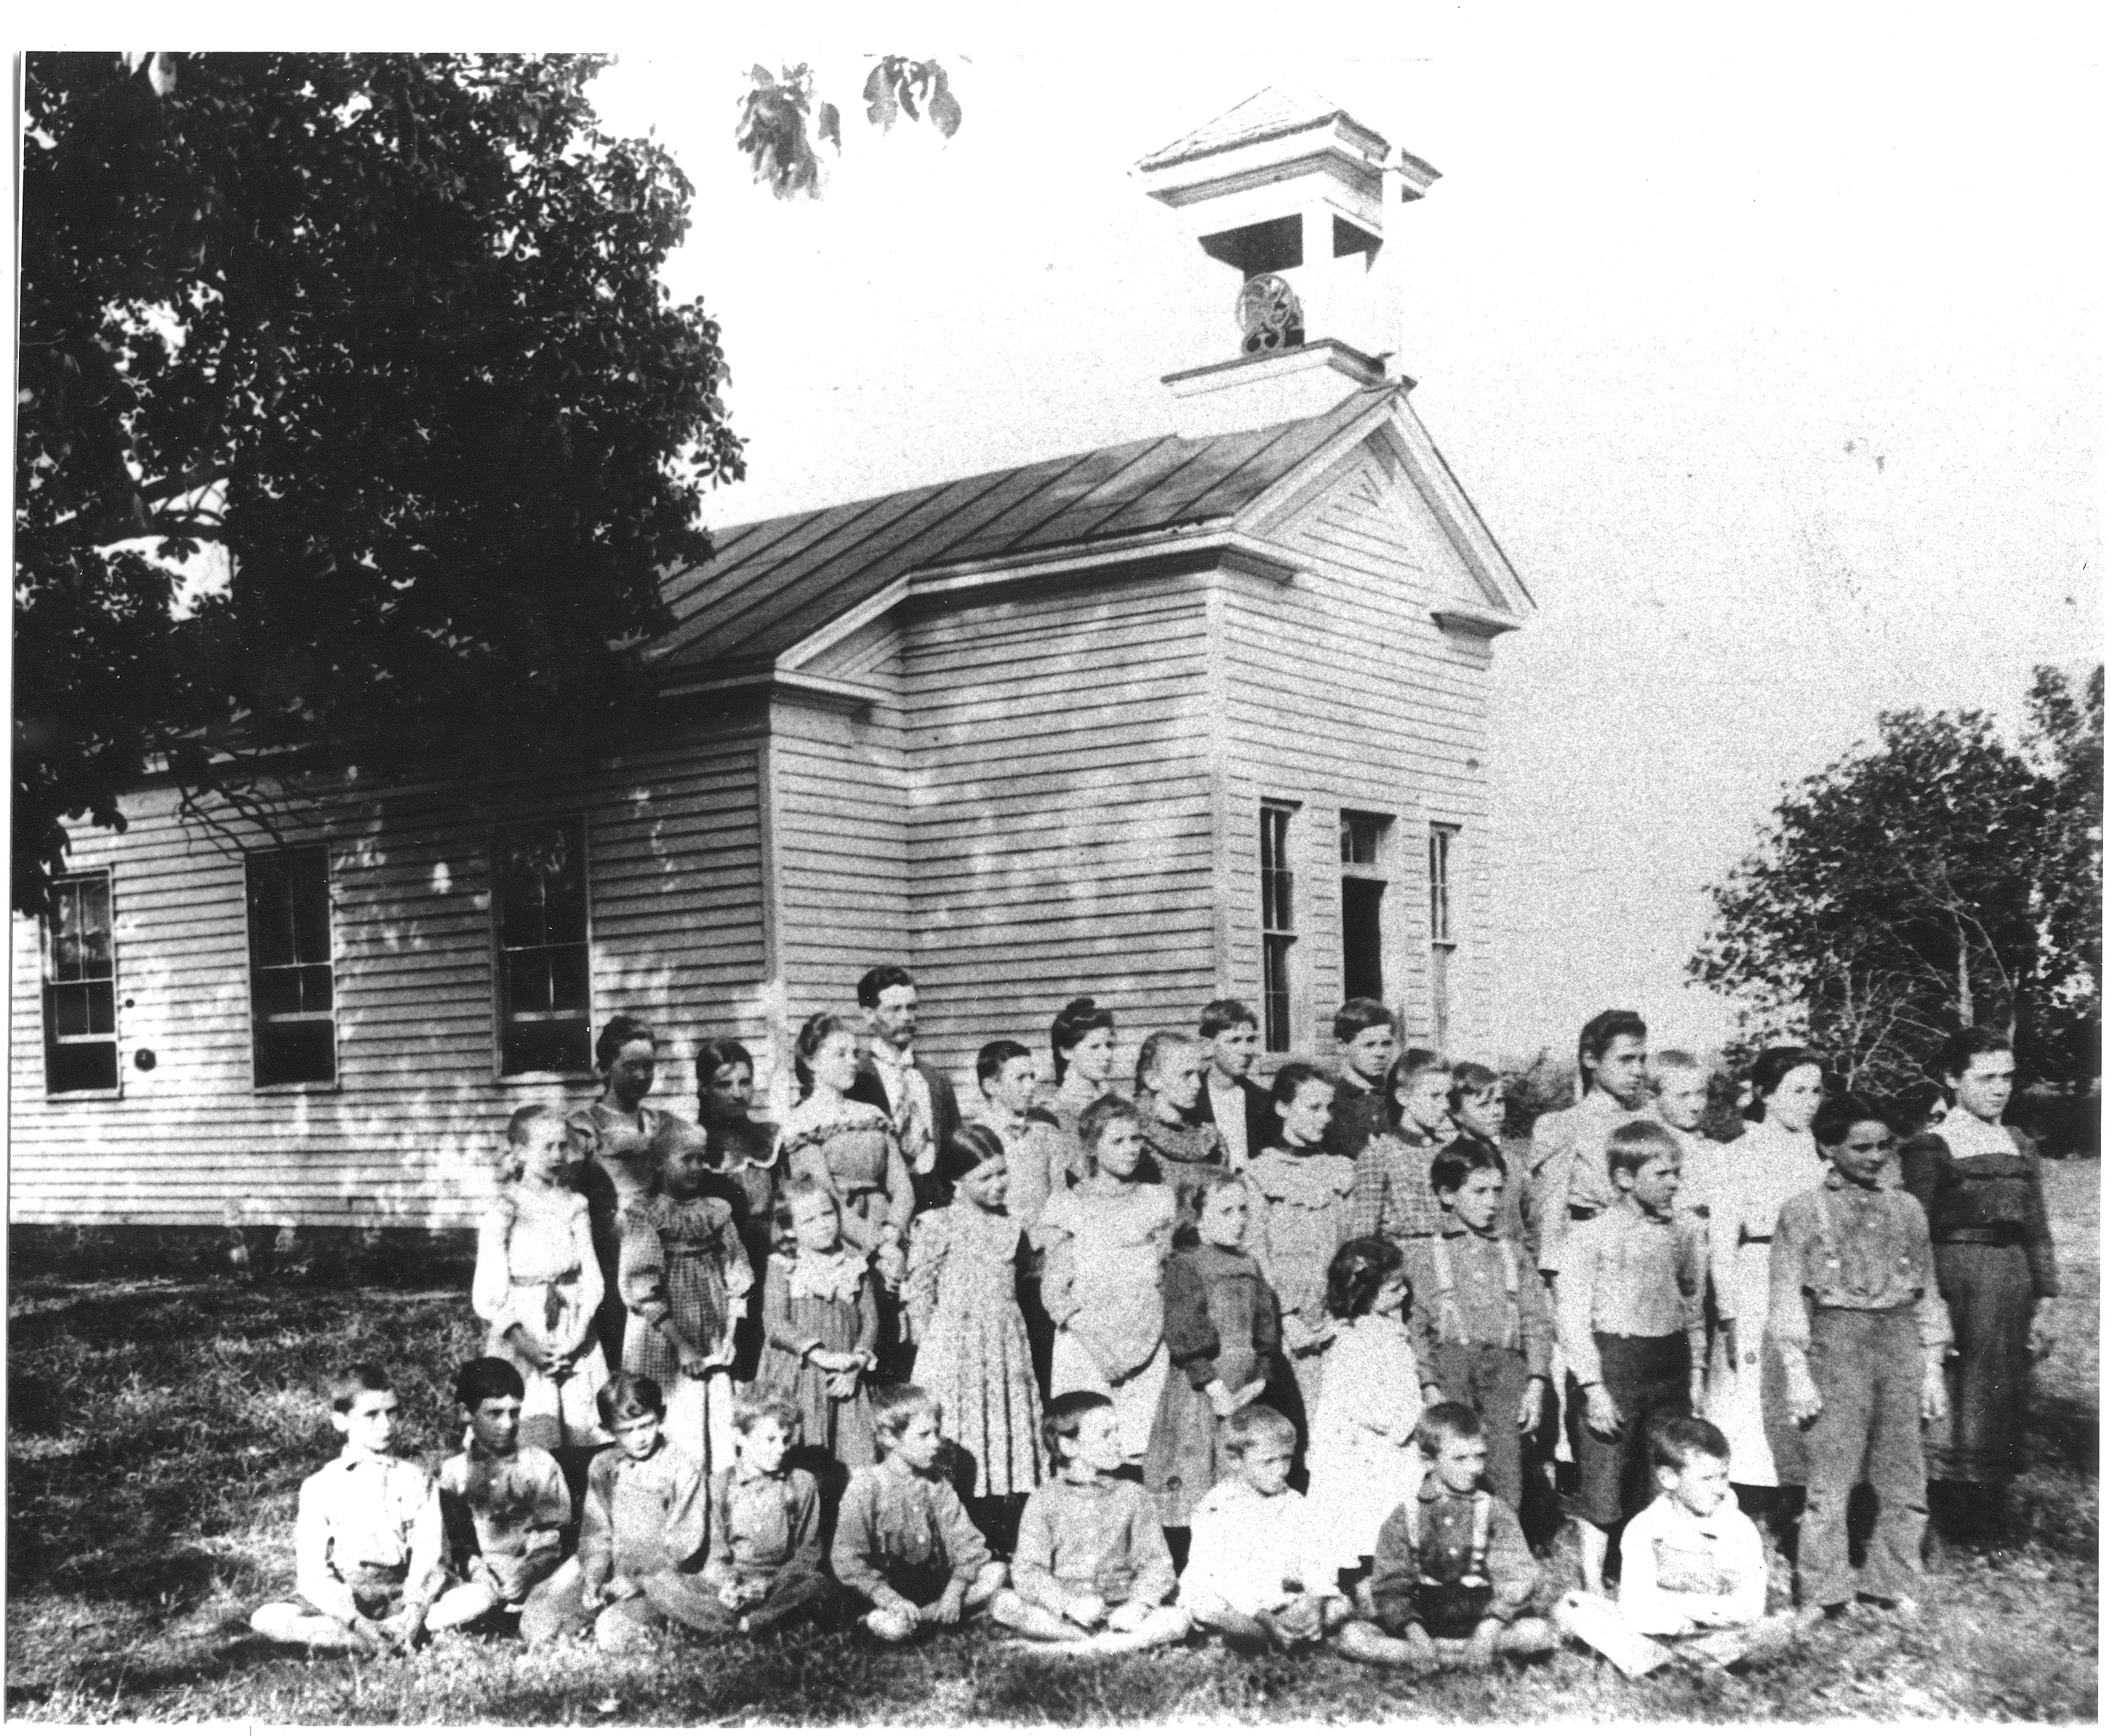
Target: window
292	991
1277	925
1441	944
1362	906
80	988
539	919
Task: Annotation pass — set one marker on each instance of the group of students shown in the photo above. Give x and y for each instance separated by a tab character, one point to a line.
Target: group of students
1285	1363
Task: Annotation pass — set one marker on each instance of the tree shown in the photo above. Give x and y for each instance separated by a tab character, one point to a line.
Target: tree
1900	893
2065	742
378	342
781	118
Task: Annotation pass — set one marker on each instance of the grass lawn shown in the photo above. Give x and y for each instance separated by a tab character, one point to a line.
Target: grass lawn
158	1432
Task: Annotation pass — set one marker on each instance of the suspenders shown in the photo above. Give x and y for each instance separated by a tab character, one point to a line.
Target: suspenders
1448	1312
1476	1566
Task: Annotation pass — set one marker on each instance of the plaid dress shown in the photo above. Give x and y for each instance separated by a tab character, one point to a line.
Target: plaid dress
682	1265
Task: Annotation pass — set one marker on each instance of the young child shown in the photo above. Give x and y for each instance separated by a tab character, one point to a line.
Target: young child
1302	1213
765	1549
538	1282
1092	1572
1628	1313
906	1554
1363	1459
1394	1197
1358	1108
1104	1245
1695	1567
1453	1577
1681	1080
367	1539
504	1505
1482	1330
642	1538
1224	1335
1179	1149
1863	1331
962	1298
820	1324
1254	1575
685	1281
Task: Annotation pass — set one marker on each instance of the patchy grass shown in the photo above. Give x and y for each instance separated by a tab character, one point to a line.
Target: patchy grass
159	1431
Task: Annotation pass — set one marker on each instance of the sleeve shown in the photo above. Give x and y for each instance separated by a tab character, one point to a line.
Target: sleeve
688	1532
965	1549
1033	1560
1930	1310
457	1523
490	1290
1424	1314
313	1576
1691	1239
805	1523
732	1256
427	1572
928	1240
1647	1606
778	1328
1787	1313
867	1338
642	1270
597	1522
1392	1571
1574	1303
1191	1339
1367	1206
2036	1229
1058	1273
1552	1157
1512	1572
1922	1162
552	1509
1148	1553
855	1557
717	1553
1535	1319
593	1287
900	1186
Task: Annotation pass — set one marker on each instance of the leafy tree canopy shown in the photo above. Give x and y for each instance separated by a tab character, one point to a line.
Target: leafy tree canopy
380	341
782	117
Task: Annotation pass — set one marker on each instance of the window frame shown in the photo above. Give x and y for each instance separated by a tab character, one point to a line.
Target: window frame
47	983
1278	941
280	1087
501	1019
1443	836
1376	870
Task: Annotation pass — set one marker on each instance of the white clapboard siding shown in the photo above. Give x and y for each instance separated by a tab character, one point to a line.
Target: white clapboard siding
1339	691
406	1134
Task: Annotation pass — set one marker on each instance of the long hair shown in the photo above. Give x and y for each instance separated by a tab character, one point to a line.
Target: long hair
1772	1066
812	1034
1080	1016
1598	1036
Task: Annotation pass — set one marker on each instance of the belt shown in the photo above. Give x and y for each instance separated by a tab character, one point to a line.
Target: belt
1745	1235
1994	1235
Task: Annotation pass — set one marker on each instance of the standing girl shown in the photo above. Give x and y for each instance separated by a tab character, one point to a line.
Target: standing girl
621	1139
1105	1243
1304	1203
962	1297
820	1323
538	1283
1364	1461
1082	1041
1983	1192
742	1153
848	1148
1179	1150
1776	1159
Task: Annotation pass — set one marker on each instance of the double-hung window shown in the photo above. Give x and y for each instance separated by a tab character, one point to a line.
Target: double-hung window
293	987
1443	841
81	987
1277	925
539	930
1362	906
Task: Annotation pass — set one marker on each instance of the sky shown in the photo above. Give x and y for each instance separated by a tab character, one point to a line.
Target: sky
1770	347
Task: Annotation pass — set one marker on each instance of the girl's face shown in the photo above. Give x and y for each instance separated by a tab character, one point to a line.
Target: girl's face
1425	1100
834	1063
1093	1058
1860	1155
731	1094
683	1170
1485	1112
1176	1078
1224	1216
1797	1098
631	1074
1304	1116
1983	1088
1119	1152
546	1156
815	1226
987	1187
1391	1297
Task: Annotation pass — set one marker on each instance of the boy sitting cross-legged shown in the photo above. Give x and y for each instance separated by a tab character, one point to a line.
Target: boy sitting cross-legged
1254	1571
368	1542
765	1551
905	1552
1452	1575
504	1506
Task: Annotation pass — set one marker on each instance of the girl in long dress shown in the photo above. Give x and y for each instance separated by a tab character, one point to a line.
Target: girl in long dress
848	1148
743	1159
1776	1159
820	1322
1303	1211
1181	1152
1982	1189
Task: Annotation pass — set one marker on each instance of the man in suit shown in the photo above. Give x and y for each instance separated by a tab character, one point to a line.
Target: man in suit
919	1099
1240	1110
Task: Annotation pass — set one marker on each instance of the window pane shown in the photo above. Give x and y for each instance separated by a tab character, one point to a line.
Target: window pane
1362	939
310	907
547	1046
318	992
80	1066
527	983
303	1052
69	1009
568	979
274	993
1275	990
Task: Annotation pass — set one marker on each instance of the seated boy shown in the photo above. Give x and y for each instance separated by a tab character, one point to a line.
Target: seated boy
368	1542
1252	1572
1452	1575
642	1541
503	1506
906	1554
1091	1572
765	1551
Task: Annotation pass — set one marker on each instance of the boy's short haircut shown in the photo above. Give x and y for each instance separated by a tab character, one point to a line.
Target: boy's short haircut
354	1379
894	1408
996	1056
1058	1423
1252	1426
1636	1144
525	1116
877	981
1676	1441
1219	1016
1292	1077
1099	1114
1664	1062
1459	1159
751	1407
482	1377
1359	1015
1442	1424
1471	1079
625	1396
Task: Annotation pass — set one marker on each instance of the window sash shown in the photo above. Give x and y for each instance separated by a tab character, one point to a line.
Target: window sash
1439	884
79	989
541	932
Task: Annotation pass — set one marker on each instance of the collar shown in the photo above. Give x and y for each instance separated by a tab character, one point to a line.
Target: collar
743	1472
1452	1228
1434	1490
887	1056
1838	1183
483	1454
1351	1080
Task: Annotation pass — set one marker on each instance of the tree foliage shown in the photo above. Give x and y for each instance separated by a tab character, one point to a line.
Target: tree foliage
1915	887
781	118
379	341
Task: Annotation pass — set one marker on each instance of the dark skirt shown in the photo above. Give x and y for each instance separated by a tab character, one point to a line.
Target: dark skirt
1185	1459
1992	1301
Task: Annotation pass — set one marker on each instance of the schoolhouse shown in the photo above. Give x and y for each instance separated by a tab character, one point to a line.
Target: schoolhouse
1196	715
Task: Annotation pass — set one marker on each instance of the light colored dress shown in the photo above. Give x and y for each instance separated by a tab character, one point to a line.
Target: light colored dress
1359	1471
973	1356
1760	1172
1105	1246
535	1269
1306	1210
850	1147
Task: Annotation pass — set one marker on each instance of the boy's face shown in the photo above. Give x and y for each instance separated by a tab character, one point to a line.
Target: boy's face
1460	1462
1119	1150
1232	1052
1367	1053
368	1423
496	1424
1477	1200
1623	1069
1266	1467
1098	1446
1014	1084
1654	1185
1485	1111
637	1434
1681	1101
762	1449
1700	1486
1425	1100
919	1443
1861	1154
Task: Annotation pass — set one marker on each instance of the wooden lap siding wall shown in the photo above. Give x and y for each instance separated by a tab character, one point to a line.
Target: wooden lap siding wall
406	1135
